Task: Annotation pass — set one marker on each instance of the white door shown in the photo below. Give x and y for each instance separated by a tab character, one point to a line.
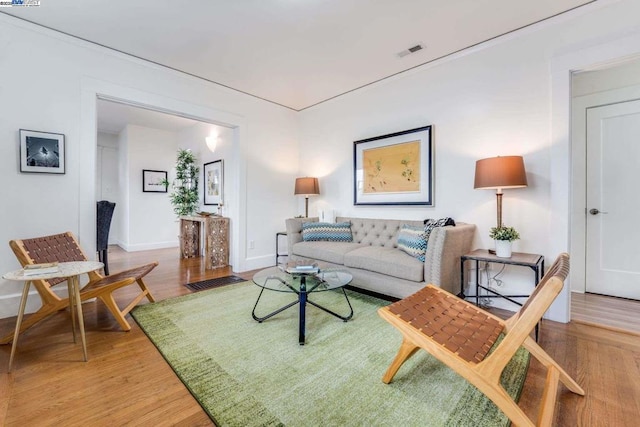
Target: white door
613	200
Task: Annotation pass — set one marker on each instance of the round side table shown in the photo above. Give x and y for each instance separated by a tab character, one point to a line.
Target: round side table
69	270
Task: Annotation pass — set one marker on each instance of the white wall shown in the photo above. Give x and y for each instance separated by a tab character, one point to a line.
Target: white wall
107	179
59	79
152	223
270	169
122	219
493	100
194	139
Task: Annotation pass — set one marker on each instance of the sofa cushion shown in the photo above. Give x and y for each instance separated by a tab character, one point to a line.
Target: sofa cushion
326	232
412	239
389	261
324	251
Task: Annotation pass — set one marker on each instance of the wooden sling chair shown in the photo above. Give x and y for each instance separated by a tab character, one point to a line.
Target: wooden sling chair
460	335
63	248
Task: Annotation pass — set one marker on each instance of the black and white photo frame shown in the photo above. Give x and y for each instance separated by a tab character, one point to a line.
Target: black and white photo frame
42	152
154	181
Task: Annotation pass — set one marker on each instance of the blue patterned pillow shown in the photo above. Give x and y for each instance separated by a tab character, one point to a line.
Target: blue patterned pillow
327	232
412	240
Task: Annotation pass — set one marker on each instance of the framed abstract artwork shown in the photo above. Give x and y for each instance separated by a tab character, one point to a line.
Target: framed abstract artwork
154	181
394	169
213	182
42	152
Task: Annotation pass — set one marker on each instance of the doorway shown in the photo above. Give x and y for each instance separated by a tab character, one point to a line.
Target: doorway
602	112
613	171
131	139
93	89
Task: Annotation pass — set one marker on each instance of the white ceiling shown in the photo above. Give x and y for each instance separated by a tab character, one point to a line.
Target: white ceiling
296	53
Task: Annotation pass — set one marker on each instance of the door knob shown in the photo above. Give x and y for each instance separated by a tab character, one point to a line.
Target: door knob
595	211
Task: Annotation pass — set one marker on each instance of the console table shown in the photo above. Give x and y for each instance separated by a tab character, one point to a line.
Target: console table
191	236
212	232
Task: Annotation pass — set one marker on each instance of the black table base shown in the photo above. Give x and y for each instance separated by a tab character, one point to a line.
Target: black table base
302	301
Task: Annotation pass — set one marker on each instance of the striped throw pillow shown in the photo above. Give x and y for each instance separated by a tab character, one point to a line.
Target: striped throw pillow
327	232
412	239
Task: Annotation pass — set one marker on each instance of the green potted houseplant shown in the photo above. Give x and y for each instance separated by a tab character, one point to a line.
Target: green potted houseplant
184	196
503	236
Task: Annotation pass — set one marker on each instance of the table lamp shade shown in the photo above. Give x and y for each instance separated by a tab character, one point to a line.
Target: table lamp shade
307	186
500	172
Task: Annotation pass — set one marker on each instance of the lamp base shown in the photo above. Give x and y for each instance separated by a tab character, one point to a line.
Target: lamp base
306	207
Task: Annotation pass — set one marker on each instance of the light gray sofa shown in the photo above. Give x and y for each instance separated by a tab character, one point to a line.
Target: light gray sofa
377	264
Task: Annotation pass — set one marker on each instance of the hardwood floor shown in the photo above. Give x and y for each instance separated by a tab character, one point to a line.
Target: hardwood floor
614	313
127	382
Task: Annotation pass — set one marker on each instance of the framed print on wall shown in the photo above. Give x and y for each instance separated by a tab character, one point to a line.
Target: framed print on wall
394	169
154	181
42	152
213	182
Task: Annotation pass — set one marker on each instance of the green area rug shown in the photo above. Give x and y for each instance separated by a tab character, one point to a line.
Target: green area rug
246	373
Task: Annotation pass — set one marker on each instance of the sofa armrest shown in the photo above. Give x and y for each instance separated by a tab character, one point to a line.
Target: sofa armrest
294	230
442	261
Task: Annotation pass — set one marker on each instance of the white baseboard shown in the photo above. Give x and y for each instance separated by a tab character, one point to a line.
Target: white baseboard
148	246
258	263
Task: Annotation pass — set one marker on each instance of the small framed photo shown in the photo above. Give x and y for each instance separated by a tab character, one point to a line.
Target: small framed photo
41	152
394	169
213	182
154	181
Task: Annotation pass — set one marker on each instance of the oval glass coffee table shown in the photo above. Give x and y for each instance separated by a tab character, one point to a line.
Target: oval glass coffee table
302	283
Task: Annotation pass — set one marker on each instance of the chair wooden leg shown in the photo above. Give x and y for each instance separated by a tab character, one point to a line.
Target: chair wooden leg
407	349
548	403
504	402
115	310
549	363
145	289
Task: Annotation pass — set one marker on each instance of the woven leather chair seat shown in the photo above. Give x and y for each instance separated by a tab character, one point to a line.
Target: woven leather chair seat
446	319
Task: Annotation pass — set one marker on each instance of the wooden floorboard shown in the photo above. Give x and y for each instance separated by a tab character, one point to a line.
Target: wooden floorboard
615	313
127	382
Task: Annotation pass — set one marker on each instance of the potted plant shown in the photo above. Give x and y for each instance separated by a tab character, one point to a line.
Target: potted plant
503	237
184	196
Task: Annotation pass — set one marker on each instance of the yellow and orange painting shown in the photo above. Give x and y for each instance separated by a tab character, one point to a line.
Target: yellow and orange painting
392	169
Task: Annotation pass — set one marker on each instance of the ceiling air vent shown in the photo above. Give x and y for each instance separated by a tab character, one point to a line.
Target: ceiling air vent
411	50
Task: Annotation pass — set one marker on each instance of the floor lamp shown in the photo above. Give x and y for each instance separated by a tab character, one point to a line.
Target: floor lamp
499	173
306	187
